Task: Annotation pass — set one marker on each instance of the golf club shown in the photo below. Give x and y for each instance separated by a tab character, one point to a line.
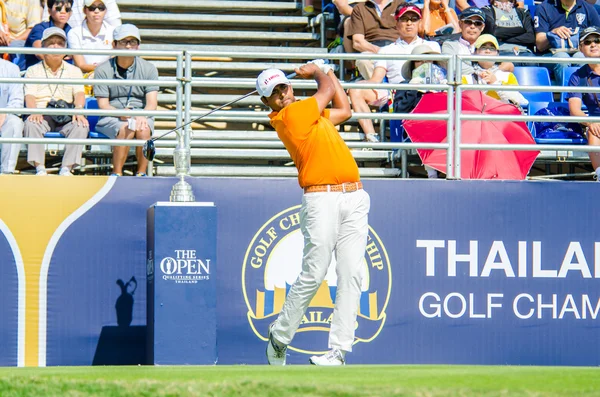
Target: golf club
149	149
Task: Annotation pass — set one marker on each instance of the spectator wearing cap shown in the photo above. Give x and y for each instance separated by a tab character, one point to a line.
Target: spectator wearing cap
487	72
11	126
471	23
372	26
112	17
126	37
511	25
22	16
588	76
38	96
60	12
562	18
408	18
439	19
93	34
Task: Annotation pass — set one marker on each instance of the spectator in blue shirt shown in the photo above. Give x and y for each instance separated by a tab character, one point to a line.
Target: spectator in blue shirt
563	18
60	12
588	76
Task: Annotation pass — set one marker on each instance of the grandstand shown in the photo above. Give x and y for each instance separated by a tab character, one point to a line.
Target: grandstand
230	42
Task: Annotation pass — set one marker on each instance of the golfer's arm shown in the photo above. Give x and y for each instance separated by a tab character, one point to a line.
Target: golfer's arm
325	90
340	110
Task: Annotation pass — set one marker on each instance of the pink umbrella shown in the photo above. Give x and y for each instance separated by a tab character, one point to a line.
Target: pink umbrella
475	164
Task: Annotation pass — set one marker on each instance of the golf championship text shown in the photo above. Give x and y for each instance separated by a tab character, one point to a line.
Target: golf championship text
444	260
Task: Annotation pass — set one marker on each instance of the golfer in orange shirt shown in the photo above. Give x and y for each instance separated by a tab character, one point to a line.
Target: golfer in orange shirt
335	208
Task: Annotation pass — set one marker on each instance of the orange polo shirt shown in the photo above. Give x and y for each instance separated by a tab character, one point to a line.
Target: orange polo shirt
319	152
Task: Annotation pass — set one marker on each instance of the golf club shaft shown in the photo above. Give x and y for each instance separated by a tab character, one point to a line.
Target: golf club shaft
290	76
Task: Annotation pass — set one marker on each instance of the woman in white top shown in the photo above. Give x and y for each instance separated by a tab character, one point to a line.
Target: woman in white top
94	33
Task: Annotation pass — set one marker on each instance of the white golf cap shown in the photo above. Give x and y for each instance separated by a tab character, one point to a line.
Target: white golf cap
126	30
90	2
269	79
53	31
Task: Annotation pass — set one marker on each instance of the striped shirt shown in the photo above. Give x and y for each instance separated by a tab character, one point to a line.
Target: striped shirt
44	92
22	15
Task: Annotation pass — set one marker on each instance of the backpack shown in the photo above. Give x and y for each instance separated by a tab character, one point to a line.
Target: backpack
556	130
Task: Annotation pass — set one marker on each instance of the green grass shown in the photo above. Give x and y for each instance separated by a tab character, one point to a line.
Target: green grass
305	381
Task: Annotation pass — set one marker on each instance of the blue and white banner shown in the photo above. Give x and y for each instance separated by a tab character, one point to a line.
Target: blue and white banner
468	272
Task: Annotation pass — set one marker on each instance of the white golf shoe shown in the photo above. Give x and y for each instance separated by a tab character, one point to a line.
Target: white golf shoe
332	357
276	353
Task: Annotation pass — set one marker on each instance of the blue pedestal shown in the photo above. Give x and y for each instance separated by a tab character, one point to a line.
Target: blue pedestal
181	277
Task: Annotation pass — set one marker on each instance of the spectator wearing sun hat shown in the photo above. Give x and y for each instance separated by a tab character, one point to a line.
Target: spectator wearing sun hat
126	37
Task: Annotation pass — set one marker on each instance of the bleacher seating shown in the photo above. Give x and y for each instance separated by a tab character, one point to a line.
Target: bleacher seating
534	75
565	82
558	139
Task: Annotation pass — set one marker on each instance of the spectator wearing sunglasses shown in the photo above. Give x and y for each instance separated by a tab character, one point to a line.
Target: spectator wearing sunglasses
60	12
112	17
588	76
93	34
471	23
126	37
561	19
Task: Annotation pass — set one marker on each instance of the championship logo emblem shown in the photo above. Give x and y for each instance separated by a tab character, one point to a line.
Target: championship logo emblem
272	263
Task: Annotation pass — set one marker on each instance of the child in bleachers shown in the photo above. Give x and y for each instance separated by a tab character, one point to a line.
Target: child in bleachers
60	12
487	72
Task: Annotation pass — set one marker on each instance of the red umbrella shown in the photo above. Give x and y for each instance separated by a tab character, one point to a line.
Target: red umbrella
475	164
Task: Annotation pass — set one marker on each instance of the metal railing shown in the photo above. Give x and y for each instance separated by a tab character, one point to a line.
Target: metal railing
184	83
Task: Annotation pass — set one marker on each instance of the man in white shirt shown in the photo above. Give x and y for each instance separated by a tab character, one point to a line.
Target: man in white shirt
408	18
113	15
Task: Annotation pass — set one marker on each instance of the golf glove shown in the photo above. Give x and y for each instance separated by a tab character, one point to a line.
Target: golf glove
324	67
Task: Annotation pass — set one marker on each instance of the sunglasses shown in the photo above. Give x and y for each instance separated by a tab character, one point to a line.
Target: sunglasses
412	19
487	48
93	8
125	43
60	8
470	22
590	41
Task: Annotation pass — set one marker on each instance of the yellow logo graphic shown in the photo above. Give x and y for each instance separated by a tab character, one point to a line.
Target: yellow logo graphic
272	263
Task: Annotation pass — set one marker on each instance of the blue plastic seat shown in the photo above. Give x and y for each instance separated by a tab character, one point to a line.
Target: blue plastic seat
53	134
534	75
530	6
92	103
565	81
533	108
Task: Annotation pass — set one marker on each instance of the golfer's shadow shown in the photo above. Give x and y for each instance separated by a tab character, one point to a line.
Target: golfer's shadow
122	344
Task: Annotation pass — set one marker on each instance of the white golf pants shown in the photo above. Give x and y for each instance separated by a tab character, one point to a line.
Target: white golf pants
330	221
12	128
